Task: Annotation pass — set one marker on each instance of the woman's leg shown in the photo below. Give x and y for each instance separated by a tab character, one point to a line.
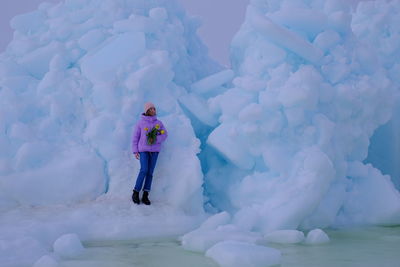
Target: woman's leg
144	167
152	164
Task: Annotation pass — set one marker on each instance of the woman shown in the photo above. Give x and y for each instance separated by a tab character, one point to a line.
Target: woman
148	135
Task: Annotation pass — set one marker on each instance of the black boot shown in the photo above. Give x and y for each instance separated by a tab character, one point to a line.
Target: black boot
135	197
145	198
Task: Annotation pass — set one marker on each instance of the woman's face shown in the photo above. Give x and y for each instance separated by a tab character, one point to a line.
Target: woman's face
152	111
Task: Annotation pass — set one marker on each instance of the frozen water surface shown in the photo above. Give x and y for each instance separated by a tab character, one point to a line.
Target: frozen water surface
148	252
375	246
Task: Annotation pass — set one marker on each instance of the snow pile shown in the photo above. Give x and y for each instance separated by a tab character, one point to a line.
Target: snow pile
296	124
72	84
376	24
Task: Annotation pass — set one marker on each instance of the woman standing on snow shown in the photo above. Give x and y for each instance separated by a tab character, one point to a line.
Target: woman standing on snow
148	135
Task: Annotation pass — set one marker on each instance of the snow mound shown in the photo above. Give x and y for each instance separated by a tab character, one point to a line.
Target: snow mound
317	236
313	82
68	246
73	82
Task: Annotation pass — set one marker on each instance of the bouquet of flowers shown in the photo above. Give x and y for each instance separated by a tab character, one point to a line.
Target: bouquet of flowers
152	134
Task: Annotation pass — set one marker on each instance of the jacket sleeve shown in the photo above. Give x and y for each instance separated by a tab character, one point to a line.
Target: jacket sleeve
163	136
135	138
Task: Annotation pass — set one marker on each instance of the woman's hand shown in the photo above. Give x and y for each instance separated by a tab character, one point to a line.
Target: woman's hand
137	156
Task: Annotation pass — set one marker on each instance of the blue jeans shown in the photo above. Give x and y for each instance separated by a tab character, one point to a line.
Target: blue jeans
148	162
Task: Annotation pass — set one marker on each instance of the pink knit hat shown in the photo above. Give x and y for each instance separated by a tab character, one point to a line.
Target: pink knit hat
147	106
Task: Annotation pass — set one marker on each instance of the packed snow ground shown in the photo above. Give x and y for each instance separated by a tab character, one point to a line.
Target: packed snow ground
280	142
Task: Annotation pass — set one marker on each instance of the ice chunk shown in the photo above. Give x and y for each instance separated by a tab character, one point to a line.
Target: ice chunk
29	23
317	236
101	64
155	70
18	83
91	39
238	254
46	261
302	20
372	193
198	107
285	236
284	37
158	13
202	239
312	173
31	154
252	112
336	70
9	68
216	220
59	63
68	246
212	82
231	103
301	89
37	62
275	157
261	55
327	210
58	173
327	40
223	139
249	83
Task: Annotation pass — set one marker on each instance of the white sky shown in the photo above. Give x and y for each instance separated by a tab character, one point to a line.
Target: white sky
221	20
